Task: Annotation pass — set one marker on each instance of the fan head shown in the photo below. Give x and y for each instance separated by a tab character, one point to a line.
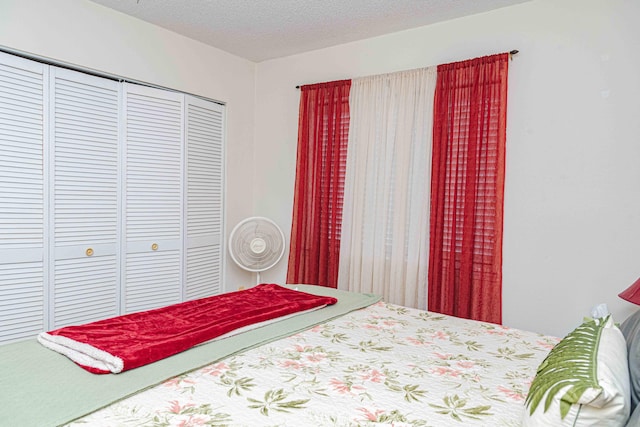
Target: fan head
256	244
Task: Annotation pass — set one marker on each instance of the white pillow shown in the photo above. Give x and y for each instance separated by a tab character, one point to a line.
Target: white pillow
584	381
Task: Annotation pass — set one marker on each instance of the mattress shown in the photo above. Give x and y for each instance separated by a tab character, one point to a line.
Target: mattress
383	364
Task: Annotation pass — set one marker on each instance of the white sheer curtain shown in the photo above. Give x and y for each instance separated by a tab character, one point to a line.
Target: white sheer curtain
385	226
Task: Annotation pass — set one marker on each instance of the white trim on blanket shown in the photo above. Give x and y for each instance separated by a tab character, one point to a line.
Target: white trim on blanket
81	353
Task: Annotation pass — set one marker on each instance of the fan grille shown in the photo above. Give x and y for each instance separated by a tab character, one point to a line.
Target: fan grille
256	244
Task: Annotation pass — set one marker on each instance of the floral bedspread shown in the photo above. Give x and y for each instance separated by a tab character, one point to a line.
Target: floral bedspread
383	365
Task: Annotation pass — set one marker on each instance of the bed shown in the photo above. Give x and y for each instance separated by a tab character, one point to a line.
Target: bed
365	363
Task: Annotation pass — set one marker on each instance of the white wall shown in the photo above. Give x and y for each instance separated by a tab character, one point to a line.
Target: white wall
572	202
86	34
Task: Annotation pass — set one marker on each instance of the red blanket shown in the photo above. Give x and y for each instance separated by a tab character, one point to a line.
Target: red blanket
126	342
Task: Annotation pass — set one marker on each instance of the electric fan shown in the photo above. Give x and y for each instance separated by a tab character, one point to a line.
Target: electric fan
256	244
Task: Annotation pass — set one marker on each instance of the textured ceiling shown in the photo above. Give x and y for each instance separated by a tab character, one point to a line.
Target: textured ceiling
265	29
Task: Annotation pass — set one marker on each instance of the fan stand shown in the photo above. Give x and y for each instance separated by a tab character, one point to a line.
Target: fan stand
257	246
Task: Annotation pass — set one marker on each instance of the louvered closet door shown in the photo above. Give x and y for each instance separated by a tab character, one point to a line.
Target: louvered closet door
153	198
84	273
22	115
204	134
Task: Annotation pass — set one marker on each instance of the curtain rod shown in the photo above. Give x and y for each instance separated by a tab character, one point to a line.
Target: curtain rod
511	54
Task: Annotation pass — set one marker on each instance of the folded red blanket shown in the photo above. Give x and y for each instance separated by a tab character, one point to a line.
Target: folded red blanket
126	342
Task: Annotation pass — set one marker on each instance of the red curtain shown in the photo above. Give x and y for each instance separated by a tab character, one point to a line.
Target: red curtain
467	187
323	131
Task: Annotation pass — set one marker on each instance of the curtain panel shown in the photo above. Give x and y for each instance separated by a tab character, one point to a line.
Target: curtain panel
323	128
467	187
384	248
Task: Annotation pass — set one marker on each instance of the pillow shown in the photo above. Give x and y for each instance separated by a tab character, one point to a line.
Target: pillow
631	330
634	421
583	381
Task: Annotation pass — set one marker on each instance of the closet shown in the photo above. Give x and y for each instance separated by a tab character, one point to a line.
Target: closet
111	197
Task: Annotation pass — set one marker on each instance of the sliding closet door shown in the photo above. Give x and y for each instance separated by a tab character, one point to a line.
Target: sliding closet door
153	198
84	147
111	198
204	193
22	207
